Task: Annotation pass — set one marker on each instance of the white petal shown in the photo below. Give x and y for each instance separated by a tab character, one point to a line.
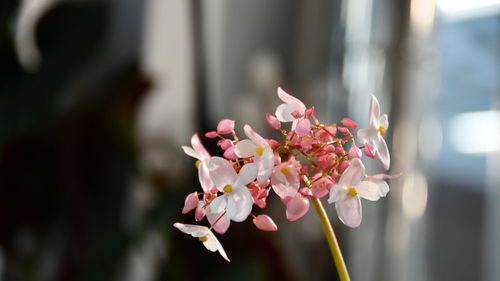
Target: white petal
383	188
204	177
366	135
192	229
265	164
221	172
353	174
239	204
189	151
383	121
247	174
349	210
284	112
335	192
218	204
374	112
199	148
382	152
213	240
245	148
256	138
368	190
287	98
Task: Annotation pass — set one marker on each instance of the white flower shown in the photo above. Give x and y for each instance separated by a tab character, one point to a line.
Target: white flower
199	152
237	199
258	148
205	235
292	104
347	192
377	127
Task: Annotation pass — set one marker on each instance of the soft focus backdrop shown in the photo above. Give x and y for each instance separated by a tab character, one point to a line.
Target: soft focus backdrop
97	96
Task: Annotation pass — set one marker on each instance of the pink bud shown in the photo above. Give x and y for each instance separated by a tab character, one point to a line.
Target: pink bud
190	203
261	203
348	123
306	144
321	187
303	127
355	152
273	143
264	222
225	126
305	191
263	194
272	121
343	130
297	114
369	150
310	111
199	214
296	207
343	165
229	153
226	143
211	135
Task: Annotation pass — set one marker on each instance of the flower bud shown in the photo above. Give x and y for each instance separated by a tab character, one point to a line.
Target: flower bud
296	207
272	121
348	123
211	134
310	111
264	222
225	126
369	150
303	127
190	203
355	152
226	143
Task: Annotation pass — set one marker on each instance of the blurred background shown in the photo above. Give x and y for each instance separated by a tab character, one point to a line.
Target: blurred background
97	96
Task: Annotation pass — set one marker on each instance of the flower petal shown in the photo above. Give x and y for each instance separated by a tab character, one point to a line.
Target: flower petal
256	138
225	126
264	222
335	193
285	97
221	172
353	174
218	221
214	241
192	229
368	190
190	203
297	207
349	210
382	152
189	151
284	112
303	127
245	148
239	204
366	135
265	164
204	177
218	204
374	113
199	148
383	121
247	174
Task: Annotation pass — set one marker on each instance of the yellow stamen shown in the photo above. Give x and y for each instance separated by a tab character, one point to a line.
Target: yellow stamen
284	170
352	191
382	130
259	150
197	164
228	188
203	238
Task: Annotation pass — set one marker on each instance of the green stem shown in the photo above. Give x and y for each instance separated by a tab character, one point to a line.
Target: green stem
332	240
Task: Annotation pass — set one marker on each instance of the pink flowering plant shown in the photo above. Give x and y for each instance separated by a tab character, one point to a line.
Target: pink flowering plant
312	160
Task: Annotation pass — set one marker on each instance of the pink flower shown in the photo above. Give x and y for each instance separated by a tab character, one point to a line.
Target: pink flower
225	126
347	192
264	222
377	127
285	179
199	152
292	105
355	152
204	234
273	121
237	199
258	148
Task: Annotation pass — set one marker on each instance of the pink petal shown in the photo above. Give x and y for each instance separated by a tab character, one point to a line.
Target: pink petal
272	121
291	99
348	123
211	135
199	148
204	177
374	112
284	112
349	210
199	214
239	204
261	203
230	153
297	207
369	150
191	202
353	174
382	152
344	165
355	152
343	130
383	176
303	127
256	138
310	111
225	126
221	172
247	174
321	187
297	114
264	222
226	143
305	191
218	221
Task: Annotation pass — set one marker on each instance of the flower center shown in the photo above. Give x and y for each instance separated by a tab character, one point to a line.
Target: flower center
352	191
197	163
382	130
259	150
228	188
203	238
285	171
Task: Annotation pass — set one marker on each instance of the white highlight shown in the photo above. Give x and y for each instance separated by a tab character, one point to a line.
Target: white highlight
467	9
475	132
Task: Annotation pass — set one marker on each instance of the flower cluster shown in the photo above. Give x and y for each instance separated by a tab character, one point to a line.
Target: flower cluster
312	160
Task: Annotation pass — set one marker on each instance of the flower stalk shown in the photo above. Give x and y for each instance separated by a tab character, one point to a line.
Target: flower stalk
332	240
